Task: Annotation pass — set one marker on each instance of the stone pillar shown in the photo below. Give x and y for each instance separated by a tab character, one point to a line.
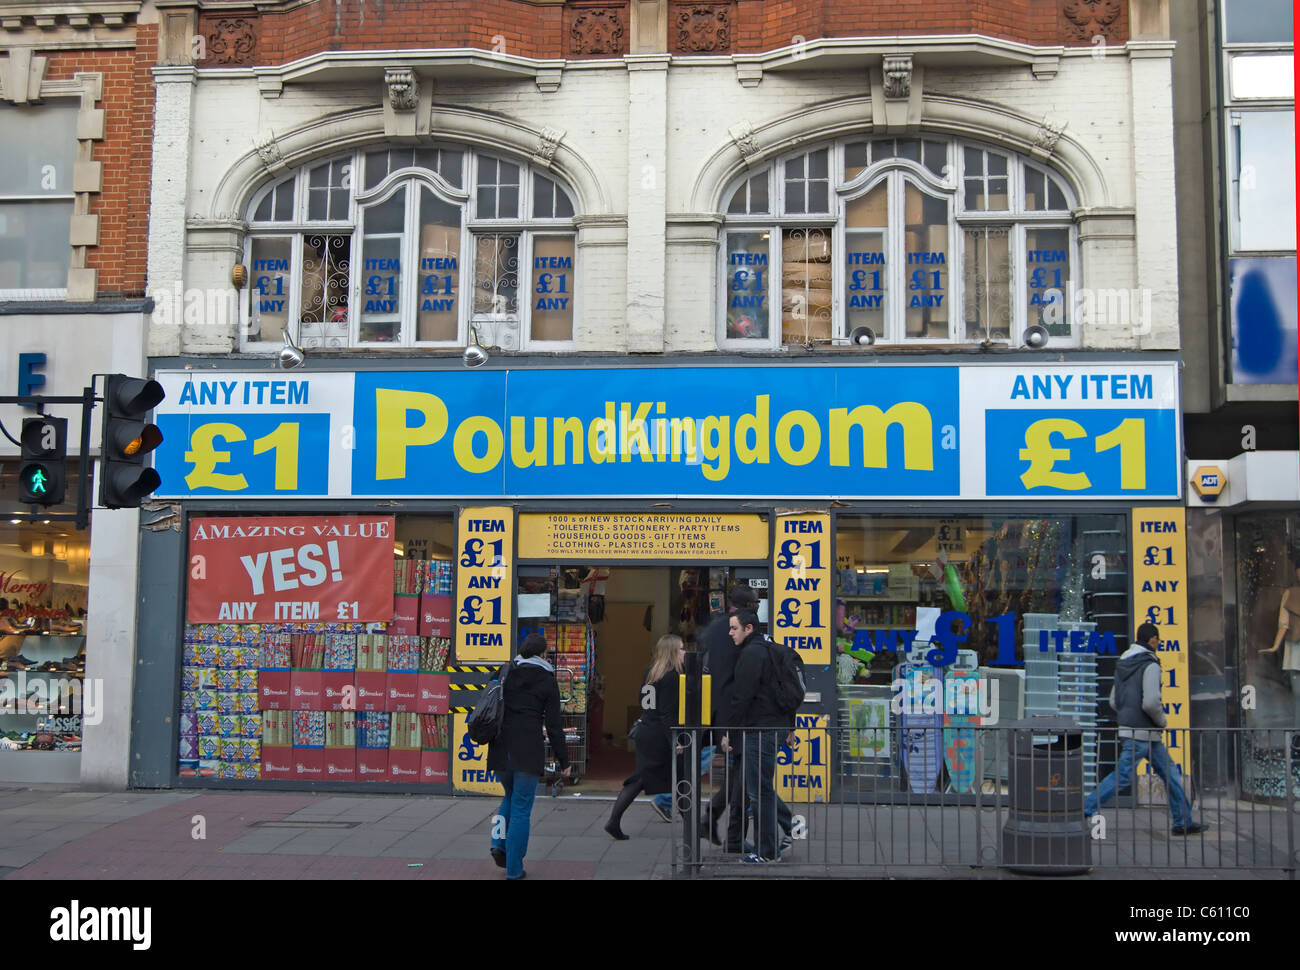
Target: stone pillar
647	195
169	203
1154	198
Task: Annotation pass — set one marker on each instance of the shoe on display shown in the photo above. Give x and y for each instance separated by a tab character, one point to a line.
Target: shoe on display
662	813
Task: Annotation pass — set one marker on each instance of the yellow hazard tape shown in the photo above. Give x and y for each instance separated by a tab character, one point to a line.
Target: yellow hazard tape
467	686
475	669
459	710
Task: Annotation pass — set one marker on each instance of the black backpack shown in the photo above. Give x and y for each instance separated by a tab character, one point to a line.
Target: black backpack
788	687
484	722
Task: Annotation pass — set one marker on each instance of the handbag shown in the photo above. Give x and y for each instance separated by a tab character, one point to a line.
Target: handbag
634	730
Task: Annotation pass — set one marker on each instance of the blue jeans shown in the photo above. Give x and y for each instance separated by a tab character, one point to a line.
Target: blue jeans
1131	752
516	809
760	769
665	799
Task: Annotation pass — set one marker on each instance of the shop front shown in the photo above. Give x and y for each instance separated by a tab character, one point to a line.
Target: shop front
361	548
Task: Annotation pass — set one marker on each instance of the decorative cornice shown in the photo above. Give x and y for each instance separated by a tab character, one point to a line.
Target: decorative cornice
1046	137
898	77
548	141
743	136
403	90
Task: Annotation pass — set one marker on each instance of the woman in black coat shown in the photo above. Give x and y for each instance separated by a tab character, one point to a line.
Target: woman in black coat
516	757
654	747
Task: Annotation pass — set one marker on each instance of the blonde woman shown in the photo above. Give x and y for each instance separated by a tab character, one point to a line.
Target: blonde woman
654	748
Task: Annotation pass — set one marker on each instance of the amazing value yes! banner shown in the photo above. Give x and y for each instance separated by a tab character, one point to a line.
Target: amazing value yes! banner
1089	431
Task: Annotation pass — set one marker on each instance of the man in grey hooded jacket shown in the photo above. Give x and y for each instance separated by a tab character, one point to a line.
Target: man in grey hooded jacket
1141	716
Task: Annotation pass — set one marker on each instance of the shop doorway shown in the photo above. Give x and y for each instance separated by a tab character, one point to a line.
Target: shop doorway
622	611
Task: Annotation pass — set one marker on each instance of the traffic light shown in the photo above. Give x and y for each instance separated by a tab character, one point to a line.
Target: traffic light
124	479
41	477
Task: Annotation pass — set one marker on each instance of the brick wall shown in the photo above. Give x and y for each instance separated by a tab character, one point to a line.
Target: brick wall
523	29
125	151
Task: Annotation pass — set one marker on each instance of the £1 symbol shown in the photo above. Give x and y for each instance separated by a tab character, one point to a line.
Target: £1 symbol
470	612
205	457
1041	455
786	614
472	549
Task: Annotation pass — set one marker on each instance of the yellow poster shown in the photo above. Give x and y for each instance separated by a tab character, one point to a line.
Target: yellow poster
700	537
801	594
803	768
1160	597
485	584
469	770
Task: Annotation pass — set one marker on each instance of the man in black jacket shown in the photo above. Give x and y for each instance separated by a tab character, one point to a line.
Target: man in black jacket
518	754
753	708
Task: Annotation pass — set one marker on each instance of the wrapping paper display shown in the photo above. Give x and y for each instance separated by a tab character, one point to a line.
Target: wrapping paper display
422	576
225	730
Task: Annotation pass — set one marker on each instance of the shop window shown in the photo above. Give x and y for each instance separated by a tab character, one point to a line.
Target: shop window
1048	608
1268	597
942	242
1256	21
36	198
1263	180
378	248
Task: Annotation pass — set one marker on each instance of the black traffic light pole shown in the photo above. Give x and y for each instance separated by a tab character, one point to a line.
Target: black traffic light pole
87	401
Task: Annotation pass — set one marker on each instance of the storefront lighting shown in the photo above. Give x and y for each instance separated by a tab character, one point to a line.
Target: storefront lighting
59	550
1036	337
15	521
291	354
474	354
38	549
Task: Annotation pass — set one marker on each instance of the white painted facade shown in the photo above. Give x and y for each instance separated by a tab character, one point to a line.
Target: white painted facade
648	144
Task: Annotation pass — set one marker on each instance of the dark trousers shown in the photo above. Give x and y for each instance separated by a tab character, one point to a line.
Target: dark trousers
732	797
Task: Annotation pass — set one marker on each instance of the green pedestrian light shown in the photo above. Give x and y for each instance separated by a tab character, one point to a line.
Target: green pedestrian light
41	472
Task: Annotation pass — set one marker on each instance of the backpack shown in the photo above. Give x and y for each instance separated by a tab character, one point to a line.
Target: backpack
484	722
788	689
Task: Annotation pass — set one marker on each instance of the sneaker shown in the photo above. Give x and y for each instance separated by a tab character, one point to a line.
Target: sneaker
1190	829
753	859
786	842
664	814
499	857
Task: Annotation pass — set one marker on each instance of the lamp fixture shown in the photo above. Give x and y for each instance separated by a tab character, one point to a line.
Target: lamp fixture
862	336
291	354
1035	337
474	355
239	276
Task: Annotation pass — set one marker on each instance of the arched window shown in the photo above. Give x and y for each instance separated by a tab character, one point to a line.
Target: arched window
919	240
409	247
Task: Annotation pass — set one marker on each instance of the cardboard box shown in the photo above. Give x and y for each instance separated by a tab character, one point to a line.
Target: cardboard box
307	692
372	690
372	764
277	761
308	764
404	765
406	615
433	693
402	692
435	616
435	767
340	764
338	690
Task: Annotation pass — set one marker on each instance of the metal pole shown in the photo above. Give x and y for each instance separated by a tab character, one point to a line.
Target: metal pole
83	459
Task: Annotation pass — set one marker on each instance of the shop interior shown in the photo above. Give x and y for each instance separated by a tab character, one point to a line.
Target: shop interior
602	623
44	576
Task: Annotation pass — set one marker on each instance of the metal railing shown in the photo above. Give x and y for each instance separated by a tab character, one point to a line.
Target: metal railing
1012	796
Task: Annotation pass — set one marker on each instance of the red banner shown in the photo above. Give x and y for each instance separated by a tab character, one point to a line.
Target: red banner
291	569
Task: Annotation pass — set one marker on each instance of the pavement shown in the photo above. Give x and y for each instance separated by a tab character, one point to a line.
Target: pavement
61	832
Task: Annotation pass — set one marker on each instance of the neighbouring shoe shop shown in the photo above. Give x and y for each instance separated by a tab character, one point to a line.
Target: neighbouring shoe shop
358	548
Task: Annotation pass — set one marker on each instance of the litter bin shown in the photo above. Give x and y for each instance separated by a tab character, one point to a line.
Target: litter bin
1045	832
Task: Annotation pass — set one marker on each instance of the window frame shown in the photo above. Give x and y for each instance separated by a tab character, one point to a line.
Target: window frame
896	173
415	180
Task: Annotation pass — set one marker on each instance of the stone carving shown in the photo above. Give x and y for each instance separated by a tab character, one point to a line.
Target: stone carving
743	135
269	152
403	91
598	30
1086	19
702	28
232	41
1047	135
898	77
547	142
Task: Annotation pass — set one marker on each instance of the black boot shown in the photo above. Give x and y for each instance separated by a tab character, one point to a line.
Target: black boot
625	798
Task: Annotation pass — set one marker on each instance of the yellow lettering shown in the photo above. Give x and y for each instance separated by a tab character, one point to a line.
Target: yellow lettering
812	437
756	424
606	450
571	429
393	435
463	444
914	418
679	428
206	458
719	450
1040	454
522	457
